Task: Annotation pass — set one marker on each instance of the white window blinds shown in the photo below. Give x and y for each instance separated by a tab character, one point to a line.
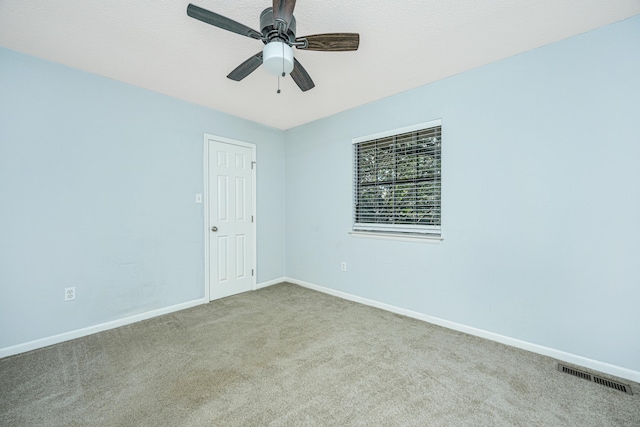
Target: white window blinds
397	182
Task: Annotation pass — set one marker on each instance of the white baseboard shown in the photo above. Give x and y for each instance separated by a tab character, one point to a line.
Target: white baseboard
66	336
603	367
524	345
270	282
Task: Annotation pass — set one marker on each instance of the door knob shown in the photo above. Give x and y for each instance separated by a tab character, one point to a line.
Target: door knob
214	228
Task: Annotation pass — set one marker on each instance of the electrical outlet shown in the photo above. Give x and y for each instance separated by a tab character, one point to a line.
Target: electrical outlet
343	266
69	294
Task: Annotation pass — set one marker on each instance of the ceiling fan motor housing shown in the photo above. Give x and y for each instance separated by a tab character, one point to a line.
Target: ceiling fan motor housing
269	32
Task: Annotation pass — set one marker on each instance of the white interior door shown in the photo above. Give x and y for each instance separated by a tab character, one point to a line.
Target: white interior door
231	228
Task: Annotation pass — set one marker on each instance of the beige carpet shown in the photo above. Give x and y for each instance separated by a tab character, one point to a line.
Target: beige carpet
289	356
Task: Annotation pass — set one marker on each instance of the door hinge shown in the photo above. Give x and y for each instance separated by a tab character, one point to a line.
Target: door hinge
251	218
253	164
252	272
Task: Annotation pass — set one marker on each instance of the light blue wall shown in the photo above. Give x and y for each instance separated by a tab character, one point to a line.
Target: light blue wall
97	187
541	199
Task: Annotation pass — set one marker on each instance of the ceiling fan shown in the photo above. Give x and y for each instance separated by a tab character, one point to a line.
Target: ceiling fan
278	33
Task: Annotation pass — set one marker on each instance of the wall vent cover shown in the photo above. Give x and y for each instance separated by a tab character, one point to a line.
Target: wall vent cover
594	378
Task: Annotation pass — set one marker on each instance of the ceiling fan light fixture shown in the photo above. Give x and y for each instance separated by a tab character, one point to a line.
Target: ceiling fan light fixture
277	58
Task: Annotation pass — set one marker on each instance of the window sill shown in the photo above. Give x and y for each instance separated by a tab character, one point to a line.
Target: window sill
397	237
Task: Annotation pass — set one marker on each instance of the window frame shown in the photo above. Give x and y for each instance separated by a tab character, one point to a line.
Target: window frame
394	231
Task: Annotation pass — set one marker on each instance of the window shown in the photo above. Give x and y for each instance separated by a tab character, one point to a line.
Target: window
397	184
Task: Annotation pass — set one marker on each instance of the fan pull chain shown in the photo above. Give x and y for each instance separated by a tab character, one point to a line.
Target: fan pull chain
283	73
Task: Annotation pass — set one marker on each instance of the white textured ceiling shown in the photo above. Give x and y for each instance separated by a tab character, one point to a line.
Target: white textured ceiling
403	44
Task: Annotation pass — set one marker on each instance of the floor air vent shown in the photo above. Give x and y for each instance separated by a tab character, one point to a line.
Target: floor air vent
594	378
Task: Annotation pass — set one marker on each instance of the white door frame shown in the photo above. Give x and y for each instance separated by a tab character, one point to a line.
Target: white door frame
207	220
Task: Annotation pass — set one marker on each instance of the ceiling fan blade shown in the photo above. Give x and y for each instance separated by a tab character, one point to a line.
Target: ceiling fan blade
301	77
332	42
221	22
246	68
283	12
